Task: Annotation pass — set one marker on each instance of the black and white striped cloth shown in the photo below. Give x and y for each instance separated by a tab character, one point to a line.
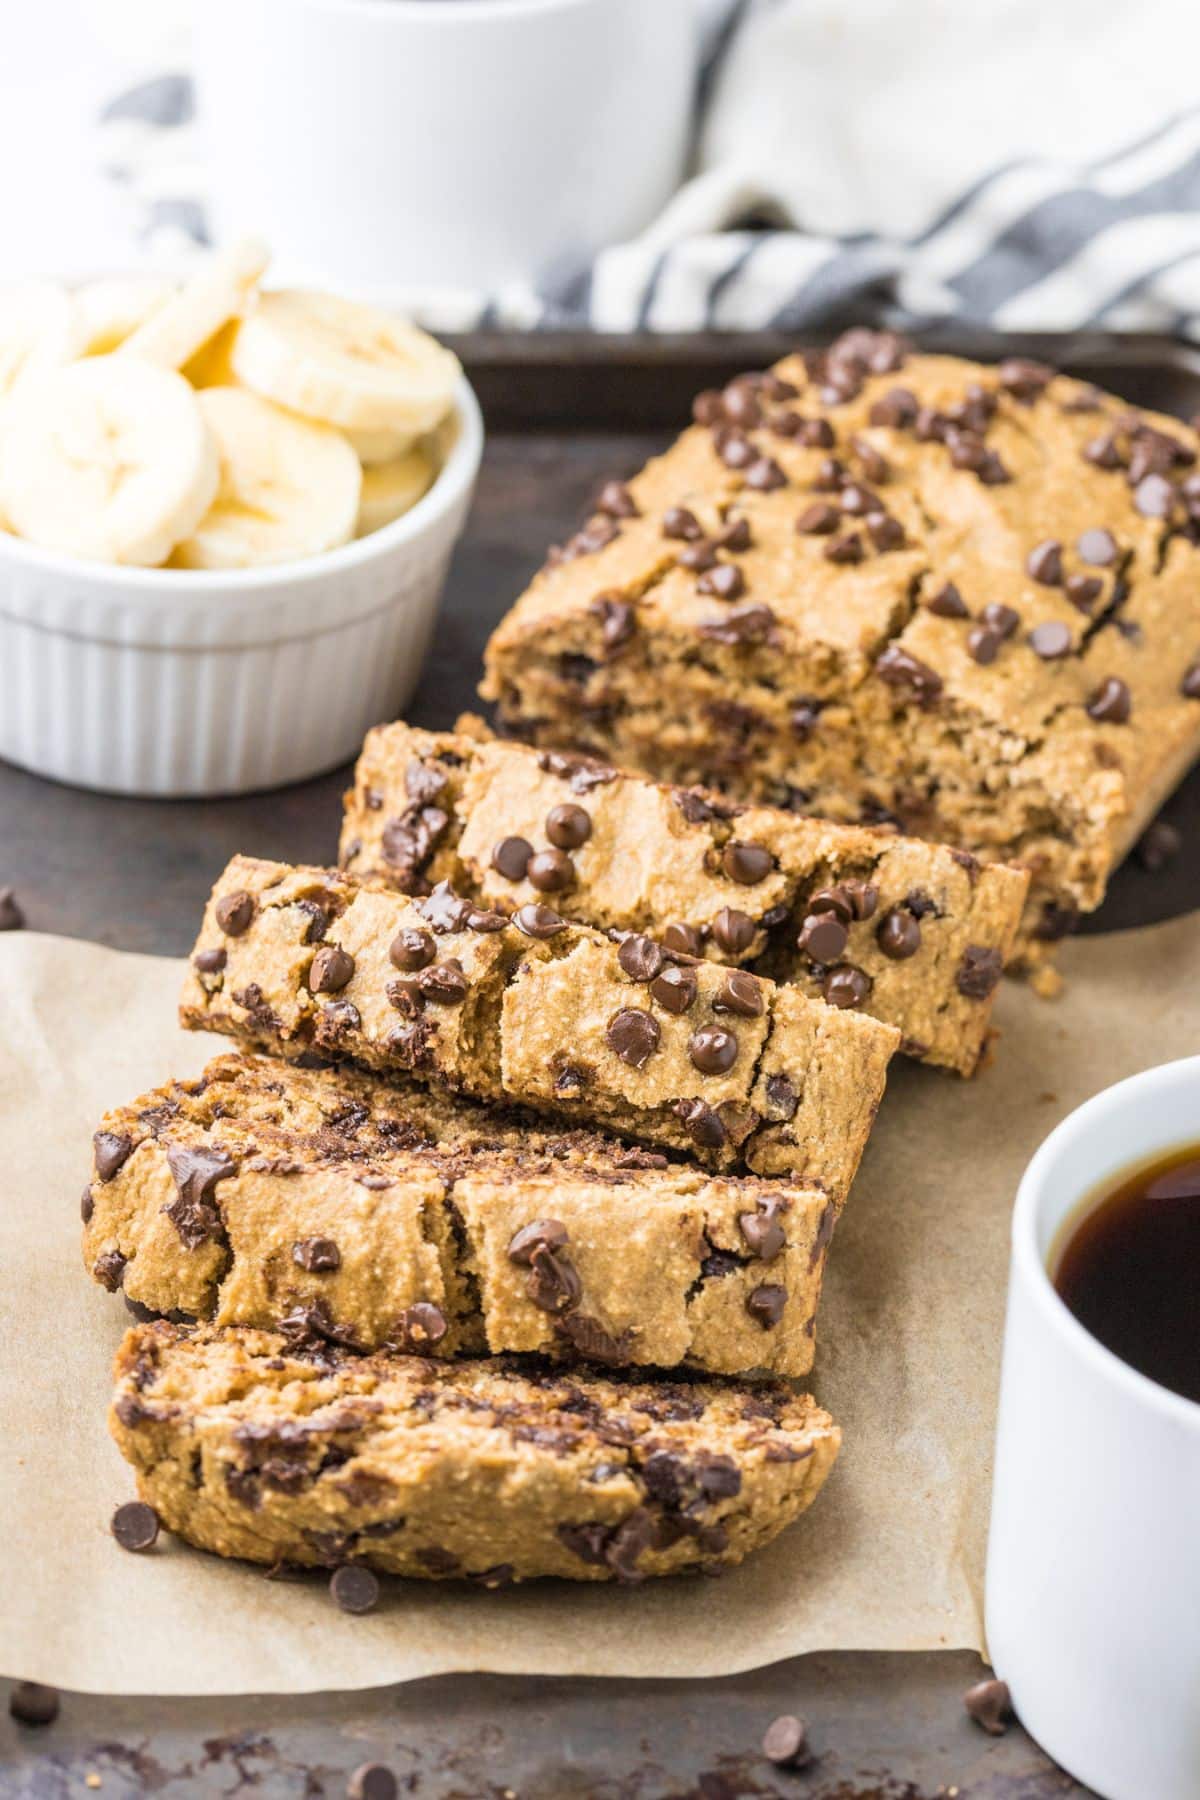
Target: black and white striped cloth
1011	165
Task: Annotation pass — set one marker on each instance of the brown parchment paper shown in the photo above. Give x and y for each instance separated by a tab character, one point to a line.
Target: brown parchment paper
890	1557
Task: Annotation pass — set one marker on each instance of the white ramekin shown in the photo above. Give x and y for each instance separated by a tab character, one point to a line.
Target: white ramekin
174	682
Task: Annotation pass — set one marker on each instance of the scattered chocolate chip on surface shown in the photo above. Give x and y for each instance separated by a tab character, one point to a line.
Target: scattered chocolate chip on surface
355	1589
32	1703
135	1525
372	1781
990	1705
785	1742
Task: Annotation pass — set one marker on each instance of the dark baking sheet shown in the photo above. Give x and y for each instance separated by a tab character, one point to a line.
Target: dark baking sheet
563	415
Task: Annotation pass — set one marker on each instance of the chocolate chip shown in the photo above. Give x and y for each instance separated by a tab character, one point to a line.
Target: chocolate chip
1051	640
633	1035
616	500
782	1098
725	582
900	669
823	937
740	406
747	863
983	644
553	1284
210	962
713	1050
766	1303
819	519
510	857
735	451
1001	619
848	548
930	426
698	557
764	475
1154	497
109	1269
886	532
1097	546
846	986
785	1742
1110	703
1084	590
862	896
421	1326
319	1255
733	931
355	1589
372	1781
1023	378
546	1234
744	625
686	940
412	949
196	1170
538	921
708	408
675	989
990	1705
567	827
992	472
898	934
32	1703
233	913
1044	563
897	409
640	957
112	1149
679	522
830	476
764	1235
858	500
1158	845
736	535
550	871
11	916
618	621
1189	687
978	971
948	603
702	1124
814	434
740	993
87	1205
332	967
135	1525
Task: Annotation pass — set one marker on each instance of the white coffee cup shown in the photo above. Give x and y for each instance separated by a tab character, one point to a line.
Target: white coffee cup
402	145
1093	1577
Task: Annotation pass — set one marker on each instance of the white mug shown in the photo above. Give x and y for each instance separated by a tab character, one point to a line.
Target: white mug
391	146
1093	1577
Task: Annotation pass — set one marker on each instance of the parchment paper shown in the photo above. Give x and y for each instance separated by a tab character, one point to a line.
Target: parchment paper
890	1557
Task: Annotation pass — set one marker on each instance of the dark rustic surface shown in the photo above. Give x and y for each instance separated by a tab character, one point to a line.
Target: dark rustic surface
134	874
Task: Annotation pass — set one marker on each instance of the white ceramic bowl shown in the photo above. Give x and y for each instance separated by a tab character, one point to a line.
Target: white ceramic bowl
174	682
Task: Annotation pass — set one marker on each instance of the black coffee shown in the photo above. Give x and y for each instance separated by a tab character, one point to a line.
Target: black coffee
1129	1269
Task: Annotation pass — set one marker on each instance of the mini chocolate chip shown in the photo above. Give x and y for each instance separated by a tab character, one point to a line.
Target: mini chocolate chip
724	582
735	451
823	937
1000	618
135	1525
815	434
1044	563
886	532
766	1303
858	500
421	1326
210	962
550	871
112	1150
538	921
548	1234
733	931
616	500
899	668
633	1035
846	986
830	476
372	1781
685	940
764	475
33	1703
1097	546
331	969
1051	640
1189	687
978	971
736	535
412	949
930	426
990	1705
11	916
87	1205
1104	452
708	408
897	408
1154	497
568	826
818	520
764	1235
1024	378
702	1124
785	1742
740	993
782	1098
898	934
618	621
674	989
948	603
740	405
848	548
1084	590
640	957
553	1283
875	465
233	912
319	1255
1158	845
713	1050
983	644
747	863
1110	703
510	857
698	557
355	1589
679	522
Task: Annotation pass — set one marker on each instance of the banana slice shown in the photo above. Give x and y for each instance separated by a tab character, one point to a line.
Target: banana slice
351	365
389	489
109	458
219	292
289	488
40	328
211	367
381	445
113	310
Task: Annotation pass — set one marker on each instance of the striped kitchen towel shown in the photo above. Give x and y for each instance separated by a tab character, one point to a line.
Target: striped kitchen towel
1013	165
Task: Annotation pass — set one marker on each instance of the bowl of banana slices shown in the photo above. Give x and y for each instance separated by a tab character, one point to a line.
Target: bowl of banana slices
226	516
